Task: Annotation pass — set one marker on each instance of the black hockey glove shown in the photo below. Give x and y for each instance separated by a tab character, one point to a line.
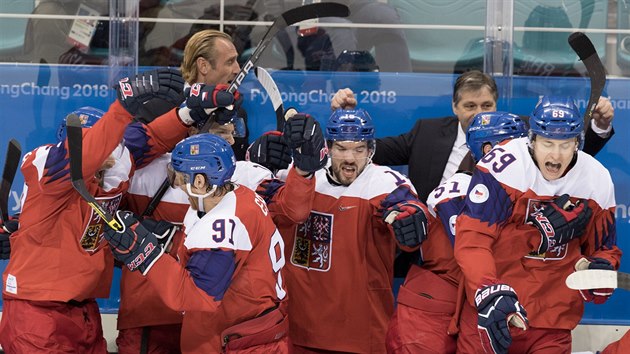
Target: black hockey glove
271	151
498	309
202	100
304	136
167	84
409	223
134	245
163	231
560	222
8	227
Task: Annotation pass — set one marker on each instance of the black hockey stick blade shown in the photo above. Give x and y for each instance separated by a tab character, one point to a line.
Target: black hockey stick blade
75	149
598	279
11	164
585	49
288	18
273	92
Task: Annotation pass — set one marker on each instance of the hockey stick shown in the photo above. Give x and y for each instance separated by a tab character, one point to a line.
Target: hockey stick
11	163
75	149
598	279
273	92
288	18
584	48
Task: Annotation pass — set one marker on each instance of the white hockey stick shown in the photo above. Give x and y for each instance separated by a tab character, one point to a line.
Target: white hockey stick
598	279
273	92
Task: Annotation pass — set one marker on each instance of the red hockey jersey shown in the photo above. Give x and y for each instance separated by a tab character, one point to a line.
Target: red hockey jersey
240	222
58	253
340	261
149	309
494	241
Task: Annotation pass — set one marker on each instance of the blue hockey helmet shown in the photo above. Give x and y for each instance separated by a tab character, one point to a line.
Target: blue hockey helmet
492	128
557	118
208	154
88	116
350	125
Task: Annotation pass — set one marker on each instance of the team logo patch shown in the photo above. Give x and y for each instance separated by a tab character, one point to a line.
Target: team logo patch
313	243
479	194
194	149
451	223
555	252
93	234
485	119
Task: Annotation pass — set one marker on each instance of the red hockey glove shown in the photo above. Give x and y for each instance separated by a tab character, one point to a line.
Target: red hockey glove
409	223
134	245
271	151
499	315
560	222
596	296
167	84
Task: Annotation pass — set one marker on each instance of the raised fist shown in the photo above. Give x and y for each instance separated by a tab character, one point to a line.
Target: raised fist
167	84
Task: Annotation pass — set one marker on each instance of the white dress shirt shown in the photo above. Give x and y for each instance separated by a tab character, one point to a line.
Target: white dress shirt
460	149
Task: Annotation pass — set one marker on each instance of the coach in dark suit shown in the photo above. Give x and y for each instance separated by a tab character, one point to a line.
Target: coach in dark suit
434	148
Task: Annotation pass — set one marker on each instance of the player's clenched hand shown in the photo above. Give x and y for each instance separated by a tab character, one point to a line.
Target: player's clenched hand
166	84
597	296
163	231
560	221
344	99
8	227
409	223
603	114
271	151
499	316
134	245
201	100
303	134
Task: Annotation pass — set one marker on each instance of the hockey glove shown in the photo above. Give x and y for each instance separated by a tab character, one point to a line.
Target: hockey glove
134	245
167	84
560	222
8	227
409	223
163	231
303	135
203	99
499	314
271	151
597	296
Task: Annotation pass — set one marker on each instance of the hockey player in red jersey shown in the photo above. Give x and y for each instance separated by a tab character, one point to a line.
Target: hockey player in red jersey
428	304
340	260
58	264
229	279
145	321
537	210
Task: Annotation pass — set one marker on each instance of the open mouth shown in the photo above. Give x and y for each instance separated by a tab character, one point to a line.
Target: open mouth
553	168
348	171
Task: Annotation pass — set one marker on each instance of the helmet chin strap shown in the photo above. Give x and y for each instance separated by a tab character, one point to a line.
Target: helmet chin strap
200	197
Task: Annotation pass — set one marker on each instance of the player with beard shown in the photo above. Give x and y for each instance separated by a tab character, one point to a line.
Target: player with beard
340	260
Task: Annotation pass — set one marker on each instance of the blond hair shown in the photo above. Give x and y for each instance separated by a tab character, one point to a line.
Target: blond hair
201	44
